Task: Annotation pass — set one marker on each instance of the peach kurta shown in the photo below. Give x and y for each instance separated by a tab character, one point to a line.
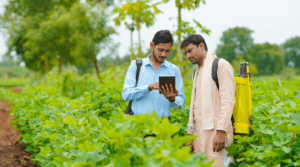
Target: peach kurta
223	100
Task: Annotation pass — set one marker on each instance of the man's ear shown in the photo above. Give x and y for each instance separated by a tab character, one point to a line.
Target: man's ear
151	45
202	46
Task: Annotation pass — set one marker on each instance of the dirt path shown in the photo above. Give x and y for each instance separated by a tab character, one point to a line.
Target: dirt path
12	151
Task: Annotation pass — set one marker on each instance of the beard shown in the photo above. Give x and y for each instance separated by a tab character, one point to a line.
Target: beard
156	57
198	61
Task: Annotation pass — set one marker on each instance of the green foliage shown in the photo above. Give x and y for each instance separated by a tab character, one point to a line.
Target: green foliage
53	31
234	42
291	49
268	58
287	73
61	131
188	4
13	70
187	29
138	11
15	82
236	64
274	136
76	120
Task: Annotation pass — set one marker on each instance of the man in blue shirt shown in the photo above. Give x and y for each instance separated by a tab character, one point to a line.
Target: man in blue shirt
146	97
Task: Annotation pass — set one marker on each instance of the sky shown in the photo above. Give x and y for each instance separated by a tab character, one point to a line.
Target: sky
273	21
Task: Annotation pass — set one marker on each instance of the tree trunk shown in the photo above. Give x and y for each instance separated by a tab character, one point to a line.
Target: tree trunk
131	46
60	65
97	69
139	31
140	52
180	56
46	71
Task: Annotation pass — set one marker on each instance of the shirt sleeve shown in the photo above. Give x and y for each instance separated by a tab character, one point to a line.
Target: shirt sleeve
227	87
180	98
130	92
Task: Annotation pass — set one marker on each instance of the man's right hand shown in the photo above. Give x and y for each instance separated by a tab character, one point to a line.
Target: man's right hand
154	86
192	144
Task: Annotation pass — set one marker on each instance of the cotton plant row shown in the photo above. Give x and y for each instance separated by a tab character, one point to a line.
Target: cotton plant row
87	126
274	138
60	131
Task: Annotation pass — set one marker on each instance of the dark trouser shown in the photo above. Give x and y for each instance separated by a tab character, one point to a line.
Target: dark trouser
153	135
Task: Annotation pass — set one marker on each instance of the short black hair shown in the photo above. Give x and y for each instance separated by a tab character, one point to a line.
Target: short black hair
194	39
162	36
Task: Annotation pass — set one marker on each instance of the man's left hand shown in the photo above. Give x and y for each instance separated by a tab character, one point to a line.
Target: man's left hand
168	92
219	141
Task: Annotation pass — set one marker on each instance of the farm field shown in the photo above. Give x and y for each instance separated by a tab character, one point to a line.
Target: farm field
63	64
79	122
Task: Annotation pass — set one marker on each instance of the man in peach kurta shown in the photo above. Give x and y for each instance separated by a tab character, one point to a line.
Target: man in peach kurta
211	141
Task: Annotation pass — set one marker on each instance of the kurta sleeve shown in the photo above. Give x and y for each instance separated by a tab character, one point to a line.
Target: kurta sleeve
227	87
190	131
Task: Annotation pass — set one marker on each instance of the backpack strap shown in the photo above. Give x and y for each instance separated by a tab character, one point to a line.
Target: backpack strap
139	63
214	71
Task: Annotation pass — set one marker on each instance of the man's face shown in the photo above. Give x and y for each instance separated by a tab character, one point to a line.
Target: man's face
194	53
161	51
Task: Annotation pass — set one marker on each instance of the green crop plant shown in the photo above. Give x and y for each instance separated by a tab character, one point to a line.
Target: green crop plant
79	121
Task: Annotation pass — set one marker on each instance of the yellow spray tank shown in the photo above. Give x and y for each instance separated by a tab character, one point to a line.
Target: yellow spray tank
242	112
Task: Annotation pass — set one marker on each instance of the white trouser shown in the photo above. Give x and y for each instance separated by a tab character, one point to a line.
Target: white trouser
227	160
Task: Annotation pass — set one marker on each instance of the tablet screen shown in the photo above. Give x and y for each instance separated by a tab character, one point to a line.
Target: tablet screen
163	80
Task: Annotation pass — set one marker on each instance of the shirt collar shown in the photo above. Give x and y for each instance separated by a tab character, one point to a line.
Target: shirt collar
148	61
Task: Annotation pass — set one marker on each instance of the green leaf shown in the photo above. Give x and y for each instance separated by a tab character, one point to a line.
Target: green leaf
137	151
268	131
293	104
82	163
286	149
183	154
295	128
270	154
283	139
296	119
86	147
297	163
45	151
69	120
58	161
119	161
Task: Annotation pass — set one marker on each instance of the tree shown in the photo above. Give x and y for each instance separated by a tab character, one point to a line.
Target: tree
184	29
291	50
236	64
19	17
139	12
235	41
65	31
268	58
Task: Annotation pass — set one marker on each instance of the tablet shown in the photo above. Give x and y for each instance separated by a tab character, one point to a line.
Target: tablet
163	80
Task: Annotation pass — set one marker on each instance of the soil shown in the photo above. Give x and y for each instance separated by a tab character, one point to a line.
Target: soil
12	151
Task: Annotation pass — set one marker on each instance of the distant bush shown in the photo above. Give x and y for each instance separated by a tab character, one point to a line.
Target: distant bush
288	73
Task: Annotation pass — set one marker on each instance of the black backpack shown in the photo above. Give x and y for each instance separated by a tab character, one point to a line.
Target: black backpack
139	63
214	71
